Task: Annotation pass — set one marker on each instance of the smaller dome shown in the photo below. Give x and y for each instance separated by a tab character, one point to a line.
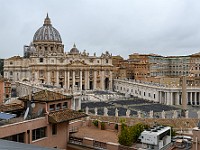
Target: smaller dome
74	50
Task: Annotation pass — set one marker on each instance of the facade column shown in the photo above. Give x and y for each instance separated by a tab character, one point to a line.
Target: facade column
73	79
195	98
160	100
86	80
68	80
79	103
102	80
111	82
177	98
191	98
168	98
171	97
65	80
159	96
95	79
165	95
57	78
80	80
156	96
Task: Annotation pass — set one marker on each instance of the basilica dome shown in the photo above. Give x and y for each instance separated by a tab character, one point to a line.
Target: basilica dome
47	33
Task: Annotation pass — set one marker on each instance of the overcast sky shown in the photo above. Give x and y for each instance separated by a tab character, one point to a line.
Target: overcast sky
122	27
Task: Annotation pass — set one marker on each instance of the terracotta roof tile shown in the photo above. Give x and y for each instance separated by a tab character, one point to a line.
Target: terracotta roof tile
65	115
10	107
46	96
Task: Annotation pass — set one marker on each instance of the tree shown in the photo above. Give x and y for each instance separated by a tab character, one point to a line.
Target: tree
125	137
137	129
129	135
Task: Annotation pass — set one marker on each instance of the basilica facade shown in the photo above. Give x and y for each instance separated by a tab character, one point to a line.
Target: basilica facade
45	61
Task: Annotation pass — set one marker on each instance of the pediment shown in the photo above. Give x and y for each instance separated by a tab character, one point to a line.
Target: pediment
77	63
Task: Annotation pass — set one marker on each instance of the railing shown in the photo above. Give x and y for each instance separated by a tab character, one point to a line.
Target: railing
99	145
76	140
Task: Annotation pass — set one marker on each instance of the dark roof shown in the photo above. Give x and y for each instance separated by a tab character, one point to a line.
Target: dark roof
46	96
65	115
10	107
10	145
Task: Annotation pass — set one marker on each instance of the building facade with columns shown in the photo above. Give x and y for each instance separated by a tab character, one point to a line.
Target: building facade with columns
162	93
46	62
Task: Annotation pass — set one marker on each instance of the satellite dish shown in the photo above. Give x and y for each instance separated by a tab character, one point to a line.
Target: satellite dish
26	113
33	105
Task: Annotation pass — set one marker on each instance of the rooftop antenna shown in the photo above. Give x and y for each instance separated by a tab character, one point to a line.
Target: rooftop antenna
39	111
30	104
26	113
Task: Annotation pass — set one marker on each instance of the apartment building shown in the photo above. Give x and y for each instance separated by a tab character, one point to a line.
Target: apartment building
42	118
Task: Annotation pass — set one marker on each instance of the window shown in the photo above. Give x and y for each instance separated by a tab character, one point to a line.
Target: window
17	138
106	60
65	105
58	106
52	107
38	133
11	63
54	129
41	60
11	73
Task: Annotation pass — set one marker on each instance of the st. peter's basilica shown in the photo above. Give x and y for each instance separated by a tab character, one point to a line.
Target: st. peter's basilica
45	61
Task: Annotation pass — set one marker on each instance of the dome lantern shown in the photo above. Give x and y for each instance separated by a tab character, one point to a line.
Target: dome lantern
47	20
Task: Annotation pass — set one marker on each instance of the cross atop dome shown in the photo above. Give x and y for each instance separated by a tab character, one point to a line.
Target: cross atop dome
47	20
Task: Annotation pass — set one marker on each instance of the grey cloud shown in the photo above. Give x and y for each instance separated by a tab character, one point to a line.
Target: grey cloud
119	26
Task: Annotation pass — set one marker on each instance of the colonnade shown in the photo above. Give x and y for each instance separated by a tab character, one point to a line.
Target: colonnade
81	79
175	98
157	93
